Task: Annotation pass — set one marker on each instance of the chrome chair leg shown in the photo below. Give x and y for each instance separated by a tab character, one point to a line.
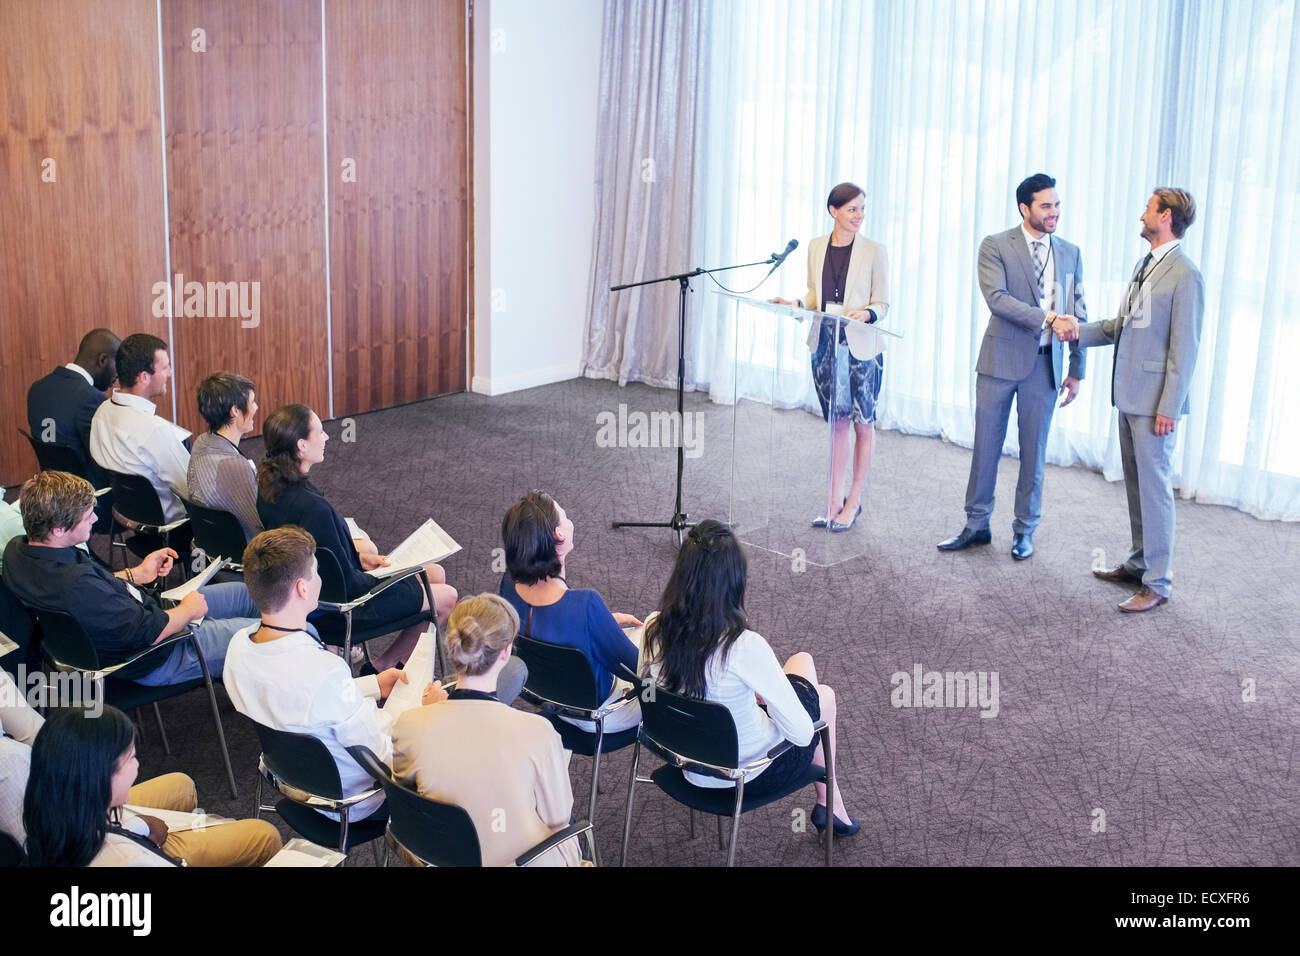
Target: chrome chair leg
735	822
627	814
216	719
830	792
167	747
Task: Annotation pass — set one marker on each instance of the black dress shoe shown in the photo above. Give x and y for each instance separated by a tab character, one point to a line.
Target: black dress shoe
968	538
1023	547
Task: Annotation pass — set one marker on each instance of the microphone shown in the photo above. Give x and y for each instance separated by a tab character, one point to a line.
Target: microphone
780	257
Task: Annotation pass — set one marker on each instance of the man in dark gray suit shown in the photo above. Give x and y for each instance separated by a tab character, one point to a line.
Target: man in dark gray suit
1156	337
1027	276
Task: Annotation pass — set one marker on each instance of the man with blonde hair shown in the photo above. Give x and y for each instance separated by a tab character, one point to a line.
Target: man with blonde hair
1156	337
45	568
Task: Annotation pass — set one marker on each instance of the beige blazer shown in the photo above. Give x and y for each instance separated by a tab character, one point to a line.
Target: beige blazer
866	286
507	768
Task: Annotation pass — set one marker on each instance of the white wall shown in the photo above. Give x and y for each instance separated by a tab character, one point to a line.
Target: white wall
537	72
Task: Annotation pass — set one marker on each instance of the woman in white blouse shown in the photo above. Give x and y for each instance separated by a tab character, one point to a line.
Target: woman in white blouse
699	644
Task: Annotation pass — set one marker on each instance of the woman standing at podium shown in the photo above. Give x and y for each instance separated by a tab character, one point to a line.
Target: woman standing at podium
846	276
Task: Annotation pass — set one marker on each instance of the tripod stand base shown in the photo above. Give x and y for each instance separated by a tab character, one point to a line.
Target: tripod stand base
678	523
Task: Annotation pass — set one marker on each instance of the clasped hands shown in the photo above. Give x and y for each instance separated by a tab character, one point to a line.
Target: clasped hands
1066	328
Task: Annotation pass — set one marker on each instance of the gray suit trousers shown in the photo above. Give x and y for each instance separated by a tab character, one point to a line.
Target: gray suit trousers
1035	397
1148	480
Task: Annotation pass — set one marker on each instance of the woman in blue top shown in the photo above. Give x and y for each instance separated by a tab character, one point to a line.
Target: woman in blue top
538	536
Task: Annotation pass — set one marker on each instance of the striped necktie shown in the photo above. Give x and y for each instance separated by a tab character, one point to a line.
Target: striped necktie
1040	270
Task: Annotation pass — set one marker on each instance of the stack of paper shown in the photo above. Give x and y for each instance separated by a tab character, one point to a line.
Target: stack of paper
427	543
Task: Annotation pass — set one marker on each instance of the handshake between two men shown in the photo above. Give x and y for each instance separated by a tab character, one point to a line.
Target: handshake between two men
1066	327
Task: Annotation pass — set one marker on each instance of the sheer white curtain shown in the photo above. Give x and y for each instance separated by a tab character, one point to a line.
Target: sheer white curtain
938	108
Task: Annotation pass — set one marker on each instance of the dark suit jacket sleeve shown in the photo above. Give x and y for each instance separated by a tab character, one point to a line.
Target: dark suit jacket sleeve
993	283
331	531
84	414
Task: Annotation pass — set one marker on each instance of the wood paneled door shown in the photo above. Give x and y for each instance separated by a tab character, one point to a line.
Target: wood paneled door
305	163
398	200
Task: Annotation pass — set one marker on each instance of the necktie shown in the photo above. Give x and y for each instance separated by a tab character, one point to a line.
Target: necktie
1138	278
1040	269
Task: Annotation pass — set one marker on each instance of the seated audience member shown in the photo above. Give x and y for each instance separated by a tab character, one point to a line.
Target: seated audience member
538	537
11	526
83	767
127	436
19	724
60	406
219	476
280	675
498	763
45	568
295	442
698	644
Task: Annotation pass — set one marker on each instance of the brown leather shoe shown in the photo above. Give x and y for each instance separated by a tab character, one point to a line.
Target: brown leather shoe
1120	575
1144	600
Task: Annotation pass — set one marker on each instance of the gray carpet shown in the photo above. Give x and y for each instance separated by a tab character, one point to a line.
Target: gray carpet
1135	721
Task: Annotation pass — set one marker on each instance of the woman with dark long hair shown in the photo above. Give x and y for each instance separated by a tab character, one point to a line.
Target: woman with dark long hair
699	644
295	442
83	767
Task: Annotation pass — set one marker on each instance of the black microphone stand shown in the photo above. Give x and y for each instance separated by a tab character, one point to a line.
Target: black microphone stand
678	521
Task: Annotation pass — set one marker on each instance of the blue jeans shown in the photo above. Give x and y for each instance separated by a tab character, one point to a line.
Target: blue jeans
230	609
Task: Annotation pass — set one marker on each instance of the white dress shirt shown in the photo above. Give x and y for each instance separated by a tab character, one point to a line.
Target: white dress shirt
1049	278
21	723
84	374
294	684
751	668
127	436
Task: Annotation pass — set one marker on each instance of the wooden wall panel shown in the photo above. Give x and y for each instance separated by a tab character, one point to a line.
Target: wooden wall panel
396	99
79	85
246	192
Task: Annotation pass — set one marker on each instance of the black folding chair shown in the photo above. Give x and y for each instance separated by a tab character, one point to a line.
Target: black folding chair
218	533
68	648
136	503
53	457
443	834
303	771
18	625
561	681
334	600
700	736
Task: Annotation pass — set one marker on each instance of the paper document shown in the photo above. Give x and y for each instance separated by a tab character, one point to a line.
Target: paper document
300	852
419	672
196	582
6	645
426	543
178	820
354	529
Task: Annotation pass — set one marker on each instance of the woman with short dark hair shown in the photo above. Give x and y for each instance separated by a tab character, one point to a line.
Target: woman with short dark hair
846	277
699	644
219	476
538	537
295	442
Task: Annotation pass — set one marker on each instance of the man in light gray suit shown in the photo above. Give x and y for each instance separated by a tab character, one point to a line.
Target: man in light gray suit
1027	275
1156	338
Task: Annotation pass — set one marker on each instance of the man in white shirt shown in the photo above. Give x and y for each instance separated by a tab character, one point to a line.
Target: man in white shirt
281	676
126	434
